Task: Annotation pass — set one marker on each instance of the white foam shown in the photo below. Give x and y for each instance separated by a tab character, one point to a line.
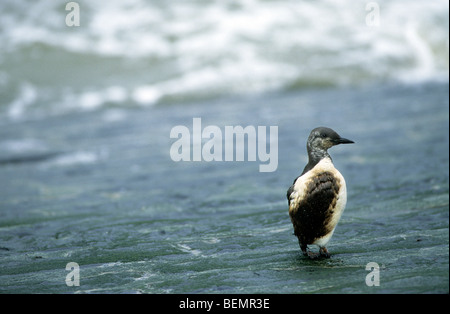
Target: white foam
23	145
185	248
199	48
91	100
80	157
26	97
146	95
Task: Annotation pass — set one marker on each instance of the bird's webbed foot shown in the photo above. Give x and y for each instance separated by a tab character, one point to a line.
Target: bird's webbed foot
324	252
307	252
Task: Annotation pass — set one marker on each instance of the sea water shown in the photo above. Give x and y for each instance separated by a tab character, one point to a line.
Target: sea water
87	179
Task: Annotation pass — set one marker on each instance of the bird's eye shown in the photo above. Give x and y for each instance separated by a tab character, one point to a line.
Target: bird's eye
323	135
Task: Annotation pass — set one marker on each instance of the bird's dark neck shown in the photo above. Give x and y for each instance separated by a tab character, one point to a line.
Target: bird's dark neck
314	157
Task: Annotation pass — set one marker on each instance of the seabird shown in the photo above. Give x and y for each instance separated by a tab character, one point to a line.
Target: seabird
318	196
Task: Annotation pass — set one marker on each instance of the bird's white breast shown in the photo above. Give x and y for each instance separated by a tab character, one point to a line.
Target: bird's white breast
300	189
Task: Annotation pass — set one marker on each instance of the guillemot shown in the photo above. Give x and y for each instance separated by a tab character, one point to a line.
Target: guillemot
317	198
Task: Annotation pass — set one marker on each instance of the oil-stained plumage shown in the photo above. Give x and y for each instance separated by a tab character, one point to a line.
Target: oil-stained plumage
317	198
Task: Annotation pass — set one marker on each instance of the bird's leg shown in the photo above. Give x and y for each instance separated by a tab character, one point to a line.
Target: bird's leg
312	255
307	252
304	248
324	252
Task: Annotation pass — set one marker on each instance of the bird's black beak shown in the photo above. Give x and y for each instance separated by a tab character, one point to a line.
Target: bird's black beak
342	140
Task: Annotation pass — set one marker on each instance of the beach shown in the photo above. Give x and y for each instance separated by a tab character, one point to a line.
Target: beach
88	177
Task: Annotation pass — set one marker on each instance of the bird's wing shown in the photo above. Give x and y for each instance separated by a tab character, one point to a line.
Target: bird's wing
311	205
316	196
290	190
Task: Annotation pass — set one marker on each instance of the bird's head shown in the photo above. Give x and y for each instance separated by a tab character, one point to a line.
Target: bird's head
322	138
